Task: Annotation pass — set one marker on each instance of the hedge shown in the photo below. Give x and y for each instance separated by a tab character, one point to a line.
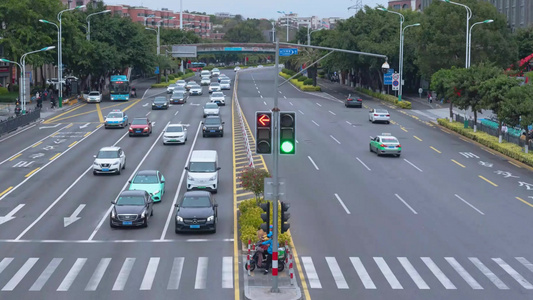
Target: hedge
301	85
301	78
166	84
308	81
509	149
9	97
250	221
388	98
3	91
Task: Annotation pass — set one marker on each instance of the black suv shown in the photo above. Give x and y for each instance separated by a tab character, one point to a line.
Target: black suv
196	211
213	125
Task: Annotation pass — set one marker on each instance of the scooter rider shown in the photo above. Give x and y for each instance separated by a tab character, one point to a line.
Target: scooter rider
269	251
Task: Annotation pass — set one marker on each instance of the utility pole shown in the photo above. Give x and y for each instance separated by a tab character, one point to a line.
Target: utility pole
275	178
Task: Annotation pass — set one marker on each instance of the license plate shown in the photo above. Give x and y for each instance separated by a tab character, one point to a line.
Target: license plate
105	169
211	131
201	187
195	226
127	223
173	140
138	131
381	115
391	147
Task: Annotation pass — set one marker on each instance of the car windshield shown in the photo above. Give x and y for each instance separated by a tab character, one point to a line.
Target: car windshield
175	129
178	94
139	122
199	201
172	85
195	87
218	94
114	115
160	99
107	154
94	94
211	105
389	140
212	121
179	88
202	167
180	82
215	84
130	200
216	70
205	78
225	81
145	179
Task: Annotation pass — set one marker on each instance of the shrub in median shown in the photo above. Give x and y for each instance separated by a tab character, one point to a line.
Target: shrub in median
388	98
308	81
3	91
250	221
166	84
301	85
302	78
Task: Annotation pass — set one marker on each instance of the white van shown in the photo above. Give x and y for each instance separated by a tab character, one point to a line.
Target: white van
205	73
202	171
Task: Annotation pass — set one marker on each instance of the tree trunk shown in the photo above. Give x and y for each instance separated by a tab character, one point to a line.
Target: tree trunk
475	119
526	147
451	111
499	131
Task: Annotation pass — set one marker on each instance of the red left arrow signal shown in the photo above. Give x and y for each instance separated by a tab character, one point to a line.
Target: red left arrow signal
264	120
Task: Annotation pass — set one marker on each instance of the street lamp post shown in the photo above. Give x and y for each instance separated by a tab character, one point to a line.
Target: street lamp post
400	88
468	16
309	35
60	62
470	39
23	64
58	41
158	31
181	16
89	22
287	23
20	67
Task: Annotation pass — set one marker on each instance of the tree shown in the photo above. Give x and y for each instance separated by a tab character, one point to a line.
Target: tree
524	39
252	179
245	32
517	110
442	83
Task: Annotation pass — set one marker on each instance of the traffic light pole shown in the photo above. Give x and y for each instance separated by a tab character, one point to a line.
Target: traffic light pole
275	156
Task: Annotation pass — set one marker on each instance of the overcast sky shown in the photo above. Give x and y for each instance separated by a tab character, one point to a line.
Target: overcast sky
258	9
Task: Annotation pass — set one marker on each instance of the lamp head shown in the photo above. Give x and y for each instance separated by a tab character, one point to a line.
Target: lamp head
48	48
385	67
80	6
416	24
382	9
106	11
488	21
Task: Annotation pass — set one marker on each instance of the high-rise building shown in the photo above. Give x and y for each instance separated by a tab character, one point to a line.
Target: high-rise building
405	4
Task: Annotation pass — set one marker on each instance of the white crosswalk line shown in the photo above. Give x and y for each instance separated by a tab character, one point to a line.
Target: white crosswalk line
124	273
363	274
45	275
487	272
310	270
337	273
438	273
387	272
201	273
72	274
15	280
4	263
463	273
525	262
149	275
227	272
420	283
175	273
516	276
93	283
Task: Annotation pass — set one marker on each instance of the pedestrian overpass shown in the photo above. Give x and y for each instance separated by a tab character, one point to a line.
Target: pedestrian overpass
193	50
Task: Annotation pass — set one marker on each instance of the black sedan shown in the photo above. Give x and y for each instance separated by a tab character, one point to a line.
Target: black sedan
160	103
196	211
353	101
179	97
131	209
213	125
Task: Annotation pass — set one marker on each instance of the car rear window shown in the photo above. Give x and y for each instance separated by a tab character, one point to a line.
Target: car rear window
389	140
145	179
139	122
114	115
211	105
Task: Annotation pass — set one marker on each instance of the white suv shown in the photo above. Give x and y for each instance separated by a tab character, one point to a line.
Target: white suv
109	160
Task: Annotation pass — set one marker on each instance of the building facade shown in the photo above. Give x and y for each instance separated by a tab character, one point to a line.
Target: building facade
405	4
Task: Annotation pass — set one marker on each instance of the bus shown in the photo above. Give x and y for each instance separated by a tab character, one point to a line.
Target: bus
196	66
120	88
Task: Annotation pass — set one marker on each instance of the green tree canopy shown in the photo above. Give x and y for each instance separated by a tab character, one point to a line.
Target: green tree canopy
245	32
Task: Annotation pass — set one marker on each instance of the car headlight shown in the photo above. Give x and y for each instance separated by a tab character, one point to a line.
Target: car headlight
113	214
143	215
95	164
146	128
219	127
190	178
213	178
179	219
204	128
210	218
156	192
153	104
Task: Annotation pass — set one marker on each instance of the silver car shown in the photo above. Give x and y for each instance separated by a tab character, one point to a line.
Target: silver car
195	90
214	87
109	160
205	80
171	87
175	133
215	72
189	84
379	115
218	97
94	96
211	109
225	85
181	83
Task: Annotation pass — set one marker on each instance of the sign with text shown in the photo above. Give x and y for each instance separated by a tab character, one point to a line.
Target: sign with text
288	51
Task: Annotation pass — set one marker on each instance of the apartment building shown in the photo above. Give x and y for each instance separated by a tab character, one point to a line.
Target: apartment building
405	4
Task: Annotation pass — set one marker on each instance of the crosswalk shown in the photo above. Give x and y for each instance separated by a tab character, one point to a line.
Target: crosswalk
71	275
425	273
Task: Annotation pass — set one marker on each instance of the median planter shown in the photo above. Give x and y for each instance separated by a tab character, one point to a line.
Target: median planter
300	84
402	104
250	220
166	84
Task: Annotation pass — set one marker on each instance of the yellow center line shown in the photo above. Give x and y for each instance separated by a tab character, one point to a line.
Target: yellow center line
62	114
458	163
487	180
515	197
14	157
73	143
35	170
69	125
514	164
87	134
6	190
100	117
435	149
417	138
129	106
37	144
403	129
54	134
54	157
415	117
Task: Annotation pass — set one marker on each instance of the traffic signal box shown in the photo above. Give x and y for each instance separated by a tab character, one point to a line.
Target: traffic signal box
266	216
285	216
287	133
263	132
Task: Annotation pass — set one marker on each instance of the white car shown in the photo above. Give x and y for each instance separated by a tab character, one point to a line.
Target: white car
219	98
225	84
175	133
214	87
379	115
94	96
205	73
109	160
237	68
116	118
195	90
211	109
181	83
189	84
205	80
222	77
215	72
260	66
171	88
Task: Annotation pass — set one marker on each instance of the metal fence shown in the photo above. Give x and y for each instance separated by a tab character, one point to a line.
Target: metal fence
13	123
511	138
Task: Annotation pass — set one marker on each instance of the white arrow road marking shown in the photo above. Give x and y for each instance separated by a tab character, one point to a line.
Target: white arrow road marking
145	105
9	216
36	155
85	125
153	124
74	217
59	141
45	127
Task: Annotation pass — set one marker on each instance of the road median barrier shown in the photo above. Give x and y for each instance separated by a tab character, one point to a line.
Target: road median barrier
402	104
166	84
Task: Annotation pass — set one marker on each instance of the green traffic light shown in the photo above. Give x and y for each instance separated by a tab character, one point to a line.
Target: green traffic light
287	147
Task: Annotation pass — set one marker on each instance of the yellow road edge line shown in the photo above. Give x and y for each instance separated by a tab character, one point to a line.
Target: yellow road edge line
35	170
494	184
458	163
130	106
515	197
15	157
417	138
73	143
514	164
54	134
62	114
6	190
403	129
69	125
87	134
37	144
100	117
489	151
236	258
53	157
434	149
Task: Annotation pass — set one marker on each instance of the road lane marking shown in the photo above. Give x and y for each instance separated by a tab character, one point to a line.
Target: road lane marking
99	272
342	204
62	114
87	133
72	144
6	190
176	112
516	276
315	123
463	273
363	163
514	164
33	171
420	283
15	157
37	144
262	97
265	102
319	104
435	149
332	113
335	139
301	112
458	163
347	122
489	151
316	167
340	281
408	206
72	274
525	262
99	111
524	201
467	203
403	129
438	273
362	273
387	272
201	273
21	273
487	180
148	113
290	103
69	125
227	272
312	275
55	156
258	92
149	275
284	97
124	274
17	132
175	273
417	138
46	274
488	273
412	165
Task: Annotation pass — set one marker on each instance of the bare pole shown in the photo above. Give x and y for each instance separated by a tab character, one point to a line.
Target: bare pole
275	155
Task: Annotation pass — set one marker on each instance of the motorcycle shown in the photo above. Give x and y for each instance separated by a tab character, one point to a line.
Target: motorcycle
133	92
17	111
255	259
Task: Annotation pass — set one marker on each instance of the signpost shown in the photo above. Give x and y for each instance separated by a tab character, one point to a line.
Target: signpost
395	81
420	90
288	51
387	78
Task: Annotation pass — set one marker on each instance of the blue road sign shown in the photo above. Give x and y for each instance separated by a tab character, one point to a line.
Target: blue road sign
288	51
387	78
232	48
156	70
395	83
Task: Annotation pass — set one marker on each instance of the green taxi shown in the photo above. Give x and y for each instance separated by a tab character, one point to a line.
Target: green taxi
151	181
385	144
